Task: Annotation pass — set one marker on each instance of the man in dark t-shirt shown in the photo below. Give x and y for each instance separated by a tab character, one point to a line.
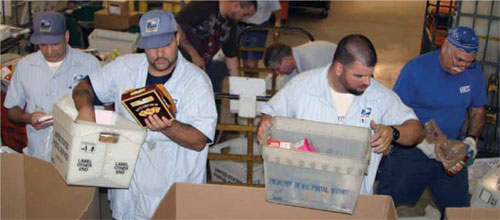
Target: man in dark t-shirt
206	27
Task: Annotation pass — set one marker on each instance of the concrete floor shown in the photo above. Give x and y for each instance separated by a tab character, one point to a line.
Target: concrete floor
393	27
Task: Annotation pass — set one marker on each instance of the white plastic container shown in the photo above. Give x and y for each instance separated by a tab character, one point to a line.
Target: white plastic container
329	179
231	171
486	194
94	154
107	41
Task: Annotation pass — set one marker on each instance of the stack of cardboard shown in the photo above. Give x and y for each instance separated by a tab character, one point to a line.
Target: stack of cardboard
116	16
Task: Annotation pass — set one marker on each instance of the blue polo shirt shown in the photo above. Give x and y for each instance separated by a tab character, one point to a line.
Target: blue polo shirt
433	93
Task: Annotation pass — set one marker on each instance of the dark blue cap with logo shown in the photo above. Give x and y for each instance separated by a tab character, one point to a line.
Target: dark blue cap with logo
464	38
158	28
48	28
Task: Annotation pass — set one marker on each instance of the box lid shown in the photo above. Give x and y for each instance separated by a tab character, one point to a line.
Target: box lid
472	213
31	188
207	201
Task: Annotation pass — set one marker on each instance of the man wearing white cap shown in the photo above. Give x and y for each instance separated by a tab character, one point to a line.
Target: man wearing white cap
175	150
41	78
441	85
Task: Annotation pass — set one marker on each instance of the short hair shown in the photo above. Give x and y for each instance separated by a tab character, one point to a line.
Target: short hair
246	4
275	52
355	47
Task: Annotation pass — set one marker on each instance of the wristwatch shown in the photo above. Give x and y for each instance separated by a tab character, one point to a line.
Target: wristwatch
395	133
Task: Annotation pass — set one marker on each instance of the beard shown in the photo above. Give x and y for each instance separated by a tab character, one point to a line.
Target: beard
159	69
354	92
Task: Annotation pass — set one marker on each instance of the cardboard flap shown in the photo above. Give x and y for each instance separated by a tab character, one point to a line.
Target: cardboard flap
206	201
472	213
49	197
12	187
32	189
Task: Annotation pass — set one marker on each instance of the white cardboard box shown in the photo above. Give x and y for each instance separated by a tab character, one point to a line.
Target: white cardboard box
93	154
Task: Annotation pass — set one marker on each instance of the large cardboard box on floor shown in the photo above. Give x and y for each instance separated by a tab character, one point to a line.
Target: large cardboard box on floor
32	189
472	213
210	201
104	20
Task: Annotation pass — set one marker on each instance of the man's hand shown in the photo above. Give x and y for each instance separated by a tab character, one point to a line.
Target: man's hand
265	123
156	123
381	140
86	114
34	121
471	149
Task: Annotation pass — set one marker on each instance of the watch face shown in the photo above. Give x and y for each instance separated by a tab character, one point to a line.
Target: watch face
395	133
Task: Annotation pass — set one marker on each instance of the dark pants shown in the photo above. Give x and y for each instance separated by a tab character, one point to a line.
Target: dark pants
217	71
405	173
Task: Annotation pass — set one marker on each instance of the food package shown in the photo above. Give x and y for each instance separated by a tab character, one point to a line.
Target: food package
148	101
448	152
302	145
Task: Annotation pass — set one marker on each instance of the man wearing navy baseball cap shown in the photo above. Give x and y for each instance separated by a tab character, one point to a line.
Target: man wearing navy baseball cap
175	150
443	86
41	78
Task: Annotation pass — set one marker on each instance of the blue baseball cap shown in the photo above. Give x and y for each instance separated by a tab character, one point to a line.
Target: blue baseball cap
158	28
48	28
464	38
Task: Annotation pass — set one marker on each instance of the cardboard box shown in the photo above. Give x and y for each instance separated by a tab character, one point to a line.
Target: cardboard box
118	7
94	154
207	201
32	189
104	20
472	213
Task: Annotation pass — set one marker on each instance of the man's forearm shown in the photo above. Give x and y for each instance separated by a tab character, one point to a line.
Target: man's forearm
83	95
476	122
186	136
232	66
411	133
18	116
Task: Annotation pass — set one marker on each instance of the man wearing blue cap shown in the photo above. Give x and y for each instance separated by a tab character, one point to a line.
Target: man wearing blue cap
442	86
175	150
41	78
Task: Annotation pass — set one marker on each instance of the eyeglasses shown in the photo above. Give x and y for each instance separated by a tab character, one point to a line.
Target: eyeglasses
459	62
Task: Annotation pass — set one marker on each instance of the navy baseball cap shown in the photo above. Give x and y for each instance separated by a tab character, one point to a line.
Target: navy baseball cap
48	28
464	38
158	28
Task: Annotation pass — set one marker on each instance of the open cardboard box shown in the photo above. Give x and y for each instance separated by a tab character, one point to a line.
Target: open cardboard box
104	20
207	201
472	213
32	189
